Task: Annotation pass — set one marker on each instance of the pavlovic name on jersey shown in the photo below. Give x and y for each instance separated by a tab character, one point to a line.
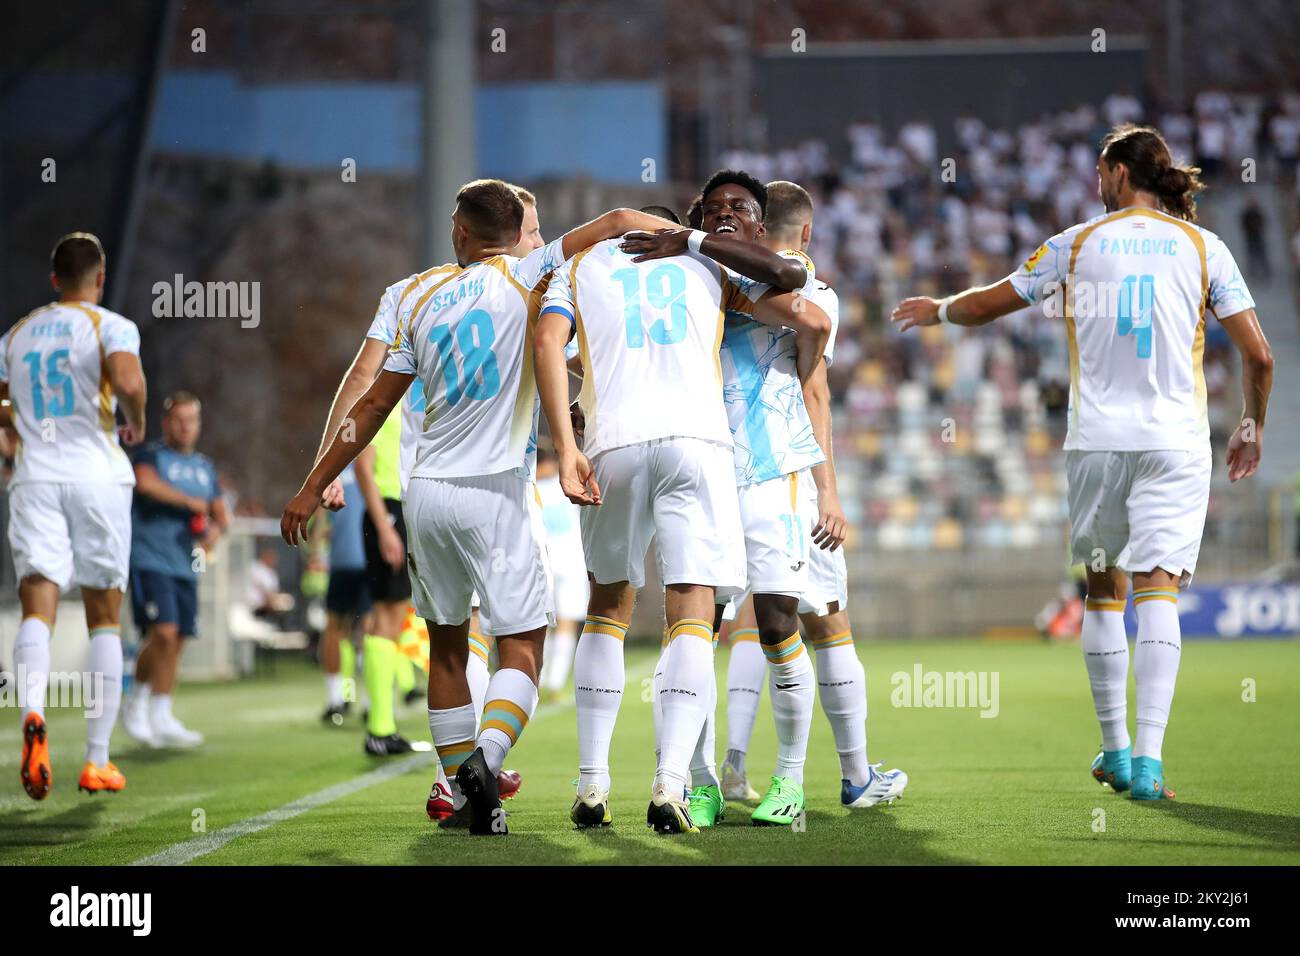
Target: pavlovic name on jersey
1134	287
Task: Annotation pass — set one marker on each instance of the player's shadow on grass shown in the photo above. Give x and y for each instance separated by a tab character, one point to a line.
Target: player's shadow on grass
28	827
1279	829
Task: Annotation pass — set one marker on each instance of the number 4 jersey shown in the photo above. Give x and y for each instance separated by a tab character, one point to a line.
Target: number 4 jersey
465	333
1133	287
55	362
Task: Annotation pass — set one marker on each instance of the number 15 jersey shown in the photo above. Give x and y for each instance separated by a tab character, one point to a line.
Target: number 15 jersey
649	334
467	336
56	364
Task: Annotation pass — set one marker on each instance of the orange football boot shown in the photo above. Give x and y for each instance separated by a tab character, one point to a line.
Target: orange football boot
36	758
96	779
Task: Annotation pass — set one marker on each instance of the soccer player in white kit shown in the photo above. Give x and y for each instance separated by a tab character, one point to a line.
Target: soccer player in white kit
841	681
63	370
656	461
396	301
471	510
1135	286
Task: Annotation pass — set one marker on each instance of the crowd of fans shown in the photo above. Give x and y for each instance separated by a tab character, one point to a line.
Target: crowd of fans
950	439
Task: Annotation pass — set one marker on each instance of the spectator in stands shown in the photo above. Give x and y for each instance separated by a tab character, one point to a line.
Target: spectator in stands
1254	225
177	517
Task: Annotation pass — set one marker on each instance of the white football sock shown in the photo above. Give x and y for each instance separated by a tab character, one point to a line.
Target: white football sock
453	733
32	664
333	690
790	676
598	679
477	673
842	687
656	711
1155	665
746	674
684	699
704	770
160	710
105	666
558	657
511	700
1105	652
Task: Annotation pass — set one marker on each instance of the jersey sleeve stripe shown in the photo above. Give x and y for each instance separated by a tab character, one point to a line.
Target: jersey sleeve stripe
107	420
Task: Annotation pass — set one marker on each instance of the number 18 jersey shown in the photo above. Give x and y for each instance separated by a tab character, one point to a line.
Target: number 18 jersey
466	335
1133	287
649	334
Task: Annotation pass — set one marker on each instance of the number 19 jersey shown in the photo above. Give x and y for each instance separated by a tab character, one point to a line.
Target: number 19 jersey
1134	287
468	339
649	334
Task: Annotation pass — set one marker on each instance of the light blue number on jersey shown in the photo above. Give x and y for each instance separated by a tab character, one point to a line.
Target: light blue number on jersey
1137	324
56	377
415	398
665	288
480	378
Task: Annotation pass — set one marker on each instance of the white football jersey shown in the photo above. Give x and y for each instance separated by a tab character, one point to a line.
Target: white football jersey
55	362
1134	287
467	335
649	335
764	397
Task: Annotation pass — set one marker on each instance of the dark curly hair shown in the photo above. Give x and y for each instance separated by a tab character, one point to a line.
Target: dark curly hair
737	177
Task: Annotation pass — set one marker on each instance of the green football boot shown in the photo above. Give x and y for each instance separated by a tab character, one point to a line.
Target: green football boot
781	805
707	806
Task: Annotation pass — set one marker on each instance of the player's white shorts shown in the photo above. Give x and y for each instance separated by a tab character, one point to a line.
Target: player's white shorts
72	534
682	493
479	534
778	516
1138	510
828	581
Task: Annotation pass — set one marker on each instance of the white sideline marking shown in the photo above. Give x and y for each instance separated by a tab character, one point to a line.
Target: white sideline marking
187	850
181	853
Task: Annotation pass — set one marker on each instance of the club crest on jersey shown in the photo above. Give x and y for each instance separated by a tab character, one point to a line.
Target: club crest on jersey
1033	260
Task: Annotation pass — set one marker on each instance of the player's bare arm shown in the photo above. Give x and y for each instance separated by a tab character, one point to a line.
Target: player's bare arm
973	307
368	415
150	484
126	377
811	325
1246	446
359	376
751	259
549	338
832	527
610	225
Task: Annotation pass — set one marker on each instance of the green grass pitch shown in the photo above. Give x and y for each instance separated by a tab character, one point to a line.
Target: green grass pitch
1013	789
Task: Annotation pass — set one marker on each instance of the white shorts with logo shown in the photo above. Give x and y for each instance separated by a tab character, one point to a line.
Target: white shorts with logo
1138	510
828	582
72	534
482	534
778	517
682	493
